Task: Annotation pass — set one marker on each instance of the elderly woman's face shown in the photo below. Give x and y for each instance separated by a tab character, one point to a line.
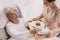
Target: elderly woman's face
13	18
12	15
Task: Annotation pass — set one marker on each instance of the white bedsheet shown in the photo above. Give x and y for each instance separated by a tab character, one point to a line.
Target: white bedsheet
52	39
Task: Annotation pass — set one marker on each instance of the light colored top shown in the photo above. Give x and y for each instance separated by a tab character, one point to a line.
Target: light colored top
52	16
18	31
15	28
3	19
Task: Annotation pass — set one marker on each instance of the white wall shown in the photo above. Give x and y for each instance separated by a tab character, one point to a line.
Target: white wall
58	3
29	8
32	8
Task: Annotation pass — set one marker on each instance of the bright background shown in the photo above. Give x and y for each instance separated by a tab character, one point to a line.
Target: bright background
29	8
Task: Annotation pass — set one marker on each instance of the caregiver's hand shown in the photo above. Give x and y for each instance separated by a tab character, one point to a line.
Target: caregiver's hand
35	19
29	20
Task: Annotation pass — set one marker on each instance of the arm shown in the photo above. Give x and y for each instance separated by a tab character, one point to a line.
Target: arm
38	17
57	30
56	24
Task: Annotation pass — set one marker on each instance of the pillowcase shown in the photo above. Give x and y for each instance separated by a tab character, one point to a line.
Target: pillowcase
3	19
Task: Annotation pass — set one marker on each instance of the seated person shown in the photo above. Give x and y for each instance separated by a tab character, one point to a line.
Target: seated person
51	13
16	27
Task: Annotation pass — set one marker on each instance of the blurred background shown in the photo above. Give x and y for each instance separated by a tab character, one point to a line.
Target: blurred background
28	8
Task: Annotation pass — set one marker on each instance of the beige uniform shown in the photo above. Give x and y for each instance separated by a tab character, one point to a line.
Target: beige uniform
52	16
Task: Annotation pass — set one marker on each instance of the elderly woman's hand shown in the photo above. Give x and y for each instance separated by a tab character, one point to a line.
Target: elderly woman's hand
34	31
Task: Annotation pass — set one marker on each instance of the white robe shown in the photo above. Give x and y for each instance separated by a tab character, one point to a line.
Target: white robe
18	31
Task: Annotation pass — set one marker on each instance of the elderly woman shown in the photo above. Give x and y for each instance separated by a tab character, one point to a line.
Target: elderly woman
16	27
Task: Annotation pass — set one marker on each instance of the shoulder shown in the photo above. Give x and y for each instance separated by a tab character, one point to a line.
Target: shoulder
57	12
58	15
9	23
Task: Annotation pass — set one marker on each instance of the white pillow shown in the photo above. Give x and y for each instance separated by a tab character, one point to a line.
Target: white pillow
3	19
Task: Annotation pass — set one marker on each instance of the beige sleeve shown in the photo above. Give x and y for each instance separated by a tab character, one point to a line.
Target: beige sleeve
58	18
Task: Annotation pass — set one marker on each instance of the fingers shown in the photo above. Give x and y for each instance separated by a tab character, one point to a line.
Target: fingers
30	21
34	19
33	31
